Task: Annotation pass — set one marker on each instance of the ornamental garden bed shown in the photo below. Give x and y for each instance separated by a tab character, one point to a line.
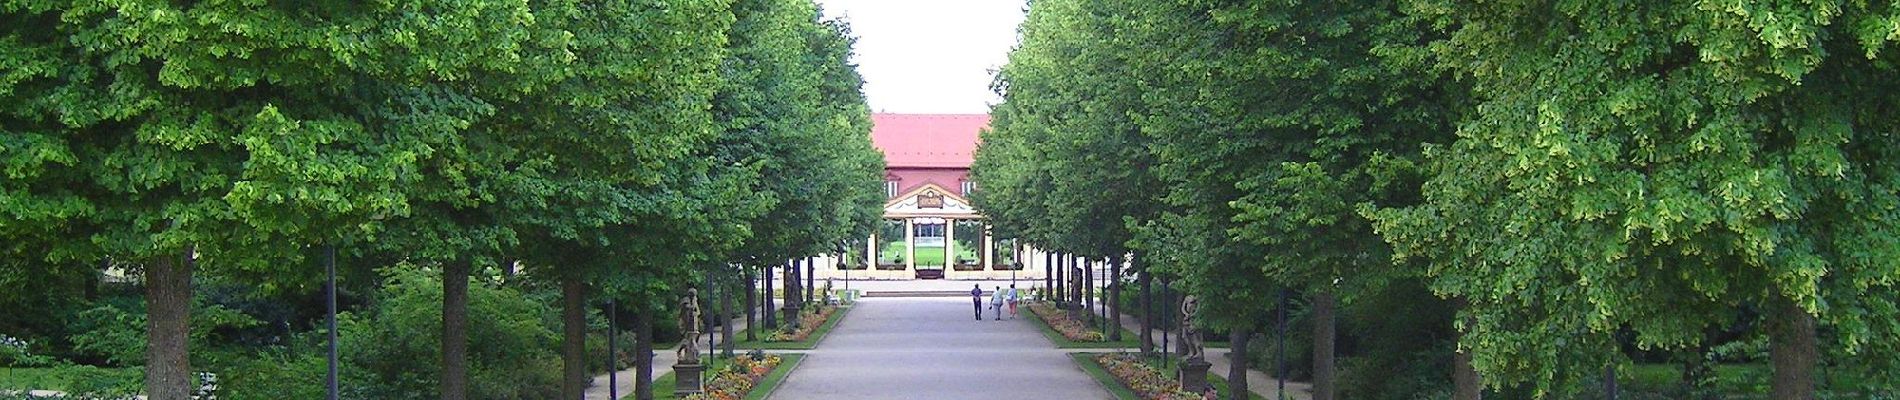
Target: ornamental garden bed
813	324
1070	333
1140	379
750	376
1131	376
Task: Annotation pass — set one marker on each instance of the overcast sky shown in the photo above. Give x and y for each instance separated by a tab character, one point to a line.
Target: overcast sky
930	56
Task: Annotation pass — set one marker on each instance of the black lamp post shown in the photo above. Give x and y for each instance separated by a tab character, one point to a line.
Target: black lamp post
329	265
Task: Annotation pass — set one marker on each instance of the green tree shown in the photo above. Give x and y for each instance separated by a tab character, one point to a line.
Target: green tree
162	134
1654	165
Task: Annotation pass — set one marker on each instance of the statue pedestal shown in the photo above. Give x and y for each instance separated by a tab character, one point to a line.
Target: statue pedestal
1194	375
686	379
791	314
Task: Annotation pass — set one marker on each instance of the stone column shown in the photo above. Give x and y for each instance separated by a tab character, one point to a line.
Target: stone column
989	250
910	246
949	246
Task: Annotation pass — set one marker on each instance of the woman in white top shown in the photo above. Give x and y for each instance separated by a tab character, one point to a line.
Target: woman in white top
996	302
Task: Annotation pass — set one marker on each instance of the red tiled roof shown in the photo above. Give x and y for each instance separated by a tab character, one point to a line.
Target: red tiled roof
927	140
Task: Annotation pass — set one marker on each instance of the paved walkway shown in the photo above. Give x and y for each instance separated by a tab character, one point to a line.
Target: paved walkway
931	348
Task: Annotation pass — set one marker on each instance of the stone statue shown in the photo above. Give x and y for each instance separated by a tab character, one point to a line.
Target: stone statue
1190	336
689	328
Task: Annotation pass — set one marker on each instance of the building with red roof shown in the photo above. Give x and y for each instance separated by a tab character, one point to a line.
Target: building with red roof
930	230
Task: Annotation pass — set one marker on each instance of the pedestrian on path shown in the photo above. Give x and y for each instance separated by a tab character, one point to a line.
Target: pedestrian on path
1013	299
996	302
976	299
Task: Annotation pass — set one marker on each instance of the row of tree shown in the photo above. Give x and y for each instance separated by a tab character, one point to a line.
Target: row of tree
1581	180
624	149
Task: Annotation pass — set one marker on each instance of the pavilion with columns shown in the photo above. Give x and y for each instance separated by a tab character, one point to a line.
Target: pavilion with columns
930	230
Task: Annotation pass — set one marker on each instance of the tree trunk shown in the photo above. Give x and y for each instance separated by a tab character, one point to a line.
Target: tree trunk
771	308
455	330
1792	349
1464	376
1048	275
811	279
725	323
1114	298
1237	362
1696	372
1147	310
1062	281
751	305
1323	340
573	338
643	355
168	325
1088	287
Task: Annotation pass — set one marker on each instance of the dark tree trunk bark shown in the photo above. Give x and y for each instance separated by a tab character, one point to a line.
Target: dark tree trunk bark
1237	362
168	326
643	355
1048	275
1696	372
725	323
455	329
771	306
508	269
1147	311
1062	281
1464	376
1324	384
573	338
1792	349
1114	298
811	279
1088	288
751	305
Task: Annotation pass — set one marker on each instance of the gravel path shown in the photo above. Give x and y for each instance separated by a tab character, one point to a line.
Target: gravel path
931	348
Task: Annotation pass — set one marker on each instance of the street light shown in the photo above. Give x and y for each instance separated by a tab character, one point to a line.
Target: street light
329	265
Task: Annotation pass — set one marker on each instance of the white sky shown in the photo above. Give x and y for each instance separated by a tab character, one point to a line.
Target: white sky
930	56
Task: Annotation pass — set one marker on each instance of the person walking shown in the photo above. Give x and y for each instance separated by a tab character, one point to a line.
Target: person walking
976	299
1012	298
996	302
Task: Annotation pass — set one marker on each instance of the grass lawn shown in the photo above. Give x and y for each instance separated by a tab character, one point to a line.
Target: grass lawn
1101	375
807	344
663	384
926	255
1129	339
1088	364
60	378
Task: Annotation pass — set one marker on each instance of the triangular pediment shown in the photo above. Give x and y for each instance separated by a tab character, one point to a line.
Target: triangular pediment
929	199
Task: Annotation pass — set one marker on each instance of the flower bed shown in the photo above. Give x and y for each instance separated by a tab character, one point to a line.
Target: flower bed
739	378
1146	381
1069	328
809	320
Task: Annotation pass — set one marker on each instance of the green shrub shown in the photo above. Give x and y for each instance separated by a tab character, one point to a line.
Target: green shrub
15	352
1396	355
114	330
392	351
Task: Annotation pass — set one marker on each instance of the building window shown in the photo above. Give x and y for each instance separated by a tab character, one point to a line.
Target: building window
968	186
890	188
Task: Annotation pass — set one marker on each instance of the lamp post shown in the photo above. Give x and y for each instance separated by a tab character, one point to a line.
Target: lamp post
613	358
329	266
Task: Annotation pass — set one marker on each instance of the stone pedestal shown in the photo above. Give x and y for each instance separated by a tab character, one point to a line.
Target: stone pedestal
791	314
1194	375
686	379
